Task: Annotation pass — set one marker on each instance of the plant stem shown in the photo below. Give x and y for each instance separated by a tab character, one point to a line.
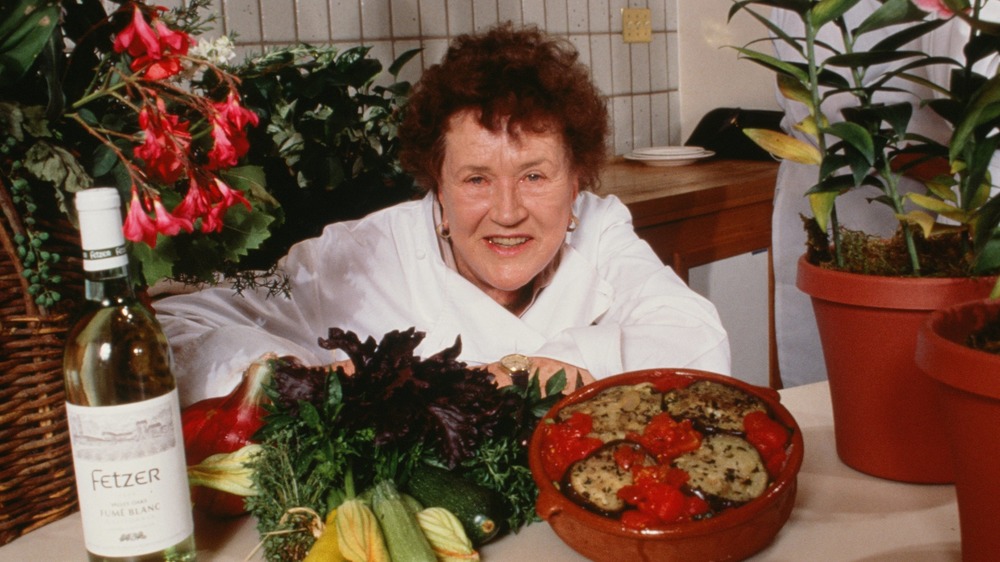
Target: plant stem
97	95
820	122
883	169
892	190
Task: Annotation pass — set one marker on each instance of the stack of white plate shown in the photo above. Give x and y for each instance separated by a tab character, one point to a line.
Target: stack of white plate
668	155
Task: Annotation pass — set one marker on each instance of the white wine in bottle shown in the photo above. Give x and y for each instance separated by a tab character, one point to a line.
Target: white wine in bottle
122	406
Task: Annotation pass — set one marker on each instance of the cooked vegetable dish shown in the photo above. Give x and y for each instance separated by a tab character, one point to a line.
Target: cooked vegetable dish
655	453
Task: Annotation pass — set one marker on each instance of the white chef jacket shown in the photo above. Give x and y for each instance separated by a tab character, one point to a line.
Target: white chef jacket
800	356
611	305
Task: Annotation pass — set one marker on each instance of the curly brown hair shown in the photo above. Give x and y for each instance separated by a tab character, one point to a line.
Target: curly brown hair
519	77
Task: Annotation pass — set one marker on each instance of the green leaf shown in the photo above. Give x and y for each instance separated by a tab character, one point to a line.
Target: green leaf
893	12
868	59
251	180
155	264
794	90
985	107
104	159
988	258
797	6
986	232
908	33
12	121
244	231
785	146
826	11
401	61
856	136
55	164
931	203
25	28
776	64
920	219
822	207
942	191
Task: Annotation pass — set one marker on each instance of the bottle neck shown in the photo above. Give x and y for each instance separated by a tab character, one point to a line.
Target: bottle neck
108	285
105	256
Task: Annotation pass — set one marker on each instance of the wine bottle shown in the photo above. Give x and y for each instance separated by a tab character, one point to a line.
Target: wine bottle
123	408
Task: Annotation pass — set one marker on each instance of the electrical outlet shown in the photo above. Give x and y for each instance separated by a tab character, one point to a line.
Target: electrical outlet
637	25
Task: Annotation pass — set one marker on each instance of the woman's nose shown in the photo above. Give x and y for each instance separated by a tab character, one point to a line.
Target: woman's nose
507	206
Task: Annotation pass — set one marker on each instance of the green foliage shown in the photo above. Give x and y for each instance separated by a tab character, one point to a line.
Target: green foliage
25	29
327	138
325	148
871	144
29	155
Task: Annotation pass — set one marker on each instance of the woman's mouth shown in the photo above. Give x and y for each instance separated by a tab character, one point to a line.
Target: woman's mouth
507	241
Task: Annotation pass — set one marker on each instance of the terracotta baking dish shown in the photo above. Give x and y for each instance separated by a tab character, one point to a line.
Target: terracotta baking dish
734	534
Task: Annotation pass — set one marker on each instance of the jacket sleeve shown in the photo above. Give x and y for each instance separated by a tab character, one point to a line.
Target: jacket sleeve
216	333
654	321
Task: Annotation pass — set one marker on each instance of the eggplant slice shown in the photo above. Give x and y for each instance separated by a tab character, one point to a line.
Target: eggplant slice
618	410
712	406
594	481
727	467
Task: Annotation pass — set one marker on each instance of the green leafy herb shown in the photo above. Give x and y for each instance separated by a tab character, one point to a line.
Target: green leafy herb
329	436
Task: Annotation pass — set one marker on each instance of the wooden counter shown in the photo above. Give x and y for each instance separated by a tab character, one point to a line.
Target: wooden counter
696	214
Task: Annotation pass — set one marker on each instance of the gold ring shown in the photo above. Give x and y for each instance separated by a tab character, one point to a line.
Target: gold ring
516	363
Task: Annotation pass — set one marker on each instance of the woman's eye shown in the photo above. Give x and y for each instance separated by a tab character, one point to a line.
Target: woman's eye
534	177
476	180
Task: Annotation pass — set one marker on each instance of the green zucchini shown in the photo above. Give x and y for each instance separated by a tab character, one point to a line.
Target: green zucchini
403	537
478	508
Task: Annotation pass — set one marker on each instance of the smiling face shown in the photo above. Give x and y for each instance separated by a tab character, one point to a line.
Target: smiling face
507	202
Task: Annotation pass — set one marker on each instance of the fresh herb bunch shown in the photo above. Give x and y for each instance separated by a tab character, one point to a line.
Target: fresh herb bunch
329	436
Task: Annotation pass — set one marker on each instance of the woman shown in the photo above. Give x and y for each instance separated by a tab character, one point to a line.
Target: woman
506	250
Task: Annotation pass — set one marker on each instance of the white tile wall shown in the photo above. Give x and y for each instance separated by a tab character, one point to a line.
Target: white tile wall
640	79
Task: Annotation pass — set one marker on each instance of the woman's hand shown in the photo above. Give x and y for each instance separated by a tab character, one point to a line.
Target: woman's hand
546	368
346	364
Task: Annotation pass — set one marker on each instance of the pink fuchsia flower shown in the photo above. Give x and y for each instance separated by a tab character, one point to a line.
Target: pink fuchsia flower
229	132
229	195
212	221
232	112
224	153
138	226
222	197
177	42
195	203
153	69
155	49
168	224
939	7
165	143
138	38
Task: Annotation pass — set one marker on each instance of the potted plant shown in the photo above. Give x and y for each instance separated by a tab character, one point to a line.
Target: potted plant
944	243
958	349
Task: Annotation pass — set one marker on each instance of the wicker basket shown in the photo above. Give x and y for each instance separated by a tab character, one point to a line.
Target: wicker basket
36	466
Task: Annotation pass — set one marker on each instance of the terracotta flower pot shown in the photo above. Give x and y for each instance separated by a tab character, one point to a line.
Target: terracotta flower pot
881	401
968	383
